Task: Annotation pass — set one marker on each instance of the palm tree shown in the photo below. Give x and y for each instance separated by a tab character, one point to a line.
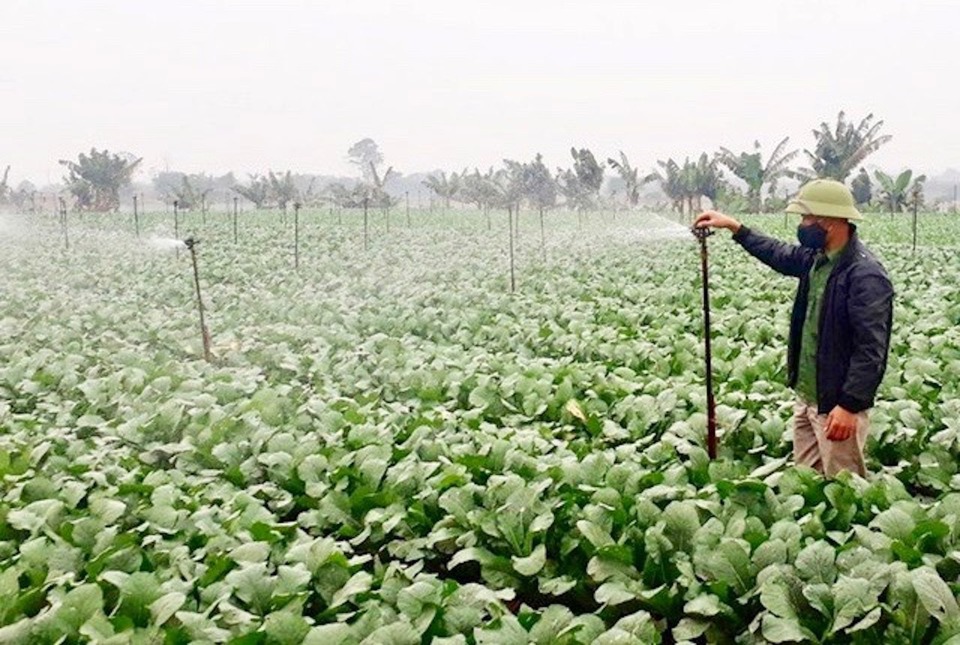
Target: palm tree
96	179
446	187
282	189
840	150
705	179
749	167
631	178
257	192
672	182
894	192
688	183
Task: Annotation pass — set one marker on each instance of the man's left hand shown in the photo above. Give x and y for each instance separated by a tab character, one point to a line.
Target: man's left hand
840	425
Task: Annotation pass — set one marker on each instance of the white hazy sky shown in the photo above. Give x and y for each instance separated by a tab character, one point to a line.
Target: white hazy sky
207	85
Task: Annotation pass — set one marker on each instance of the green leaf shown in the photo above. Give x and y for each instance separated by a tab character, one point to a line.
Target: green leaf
852	597
359	583
816	563
894	523
935	596
328	634
533	563
784	630
251	552
552	622
78	606
594	534
706	605
506	630
775	596
613	593
285	628
164	607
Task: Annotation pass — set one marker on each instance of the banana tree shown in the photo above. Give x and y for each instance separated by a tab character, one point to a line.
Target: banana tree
689	183
445	186
632	180
749	167
894	193
840	149
95	180
258	191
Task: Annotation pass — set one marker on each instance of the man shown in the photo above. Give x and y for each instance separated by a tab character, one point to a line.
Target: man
840	326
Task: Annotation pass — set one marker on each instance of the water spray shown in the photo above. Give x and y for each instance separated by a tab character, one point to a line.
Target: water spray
191	244
702	233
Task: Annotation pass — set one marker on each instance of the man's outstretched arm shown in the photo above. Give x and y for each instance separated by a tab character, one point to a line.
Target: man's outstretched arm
788	259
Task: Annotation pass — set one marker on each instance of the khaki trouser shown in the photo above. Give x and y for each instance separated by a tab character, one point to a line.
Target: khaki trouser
812	448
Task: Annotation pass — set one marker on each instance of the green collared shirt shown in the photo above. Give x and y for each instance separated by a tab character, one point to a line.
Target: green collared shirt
807	367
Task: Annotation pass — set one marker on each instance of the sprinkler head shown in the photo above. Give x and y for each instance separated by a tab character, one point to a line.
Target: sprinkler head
702	232
190	242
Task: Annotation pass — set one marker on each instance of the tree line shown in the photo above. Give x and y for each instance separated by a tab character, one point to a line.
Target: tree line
94	181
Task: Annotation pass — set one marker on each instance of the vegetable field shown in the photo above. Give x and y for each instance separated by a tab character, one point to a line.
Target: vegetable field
391	447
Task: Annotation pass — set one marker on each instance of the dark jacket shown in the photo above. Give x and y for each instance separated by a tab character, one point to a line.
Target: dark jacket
855	318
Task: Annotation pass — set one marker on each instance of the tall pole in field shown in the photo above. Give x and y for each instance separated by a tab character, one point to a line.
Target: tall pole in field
406	194
366	239
136	216
235	200
543	237
63	223
176	219
513	281
204	333
701	234
916	205
296	235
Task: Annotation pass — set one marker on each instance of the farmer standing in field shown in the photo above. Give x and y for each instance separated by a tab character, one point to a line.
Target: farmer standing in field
840	326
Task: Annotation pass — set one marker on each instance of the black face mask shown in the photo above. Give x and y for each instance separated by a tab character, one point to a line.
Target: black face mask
813	236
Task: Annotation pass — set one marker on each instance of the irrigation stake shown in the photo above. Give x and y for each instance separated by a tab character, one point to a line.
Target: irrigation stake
136	216
176	223
191	244
701	233
513	281
63	223
543	237
406	195
296	235
916	205
235	200
365	235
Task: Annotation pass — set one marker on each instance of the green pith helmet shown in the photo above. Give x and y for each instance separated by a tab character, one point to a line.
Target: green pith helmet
825	198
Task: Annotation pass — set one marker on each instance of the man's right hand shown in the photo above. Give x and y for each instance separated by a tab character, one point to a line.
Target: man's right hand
717	220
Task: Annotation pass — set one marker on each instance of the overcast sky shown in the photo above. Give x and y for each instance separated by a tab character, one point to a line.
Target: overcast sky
204	85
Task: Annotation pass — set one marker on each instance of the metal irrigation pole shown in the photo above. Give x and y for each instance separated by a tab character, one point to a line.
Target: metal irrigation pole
701	233
916	205
235	200
191	244
296	235
365	234
136	216
63	223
